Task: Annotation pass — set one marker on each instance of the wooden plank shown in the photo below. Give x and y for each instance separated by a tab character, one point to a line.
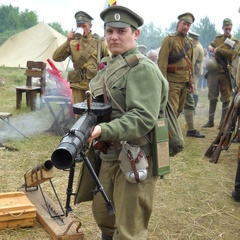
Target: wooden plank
34	73
55	230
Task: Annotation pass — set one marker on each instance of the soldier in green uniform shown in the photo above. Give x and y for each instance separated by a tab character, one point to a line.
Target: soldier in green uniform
86	51
219	68
175	60
137	91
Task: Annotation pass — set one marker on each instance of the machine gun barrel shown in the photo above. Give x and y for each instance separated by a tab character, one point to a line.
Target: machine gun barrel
74	141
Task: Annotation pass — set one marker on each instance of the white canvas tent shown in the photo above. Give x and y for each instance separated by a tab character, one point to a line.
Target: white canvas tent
35	44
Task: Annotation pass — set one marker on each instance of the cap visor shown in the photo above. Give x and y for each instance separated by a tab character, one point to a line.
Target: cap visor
80	21
117	24
188	21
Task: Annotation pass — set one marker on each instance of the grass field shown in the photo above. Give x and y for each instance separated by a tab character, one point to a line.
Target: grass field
192	202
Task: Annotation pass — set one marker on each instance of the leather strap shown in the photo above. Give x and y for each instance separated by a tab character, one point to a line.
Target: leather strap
132	161
187	60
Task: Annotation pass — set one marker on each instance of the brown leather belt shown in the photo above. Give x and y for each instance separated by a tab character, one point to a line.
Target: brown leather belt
183	68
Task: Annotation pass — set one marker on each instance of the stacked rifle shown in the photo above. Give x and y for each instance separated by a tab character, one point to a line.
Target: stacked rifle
228	132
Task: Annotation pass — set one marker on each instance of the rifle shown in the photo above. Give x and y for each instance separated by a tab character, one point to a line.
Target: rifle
226	67
73	145
223	139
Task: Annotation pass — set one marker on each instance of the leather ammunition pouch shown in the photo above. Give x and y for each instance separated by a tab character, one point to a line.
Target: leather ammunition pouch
172	68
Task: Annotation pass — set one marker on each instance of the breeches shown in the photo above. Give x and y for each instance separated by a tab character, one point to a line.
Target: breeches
218	83
133	203
189	104
177	96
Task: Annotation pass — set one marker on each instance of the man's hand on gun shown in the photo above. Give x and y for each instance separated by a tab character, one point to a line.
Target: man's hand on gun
96	133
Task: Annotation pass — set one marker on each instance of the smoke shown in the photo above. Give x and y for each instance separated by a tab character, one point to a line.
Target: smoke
25	126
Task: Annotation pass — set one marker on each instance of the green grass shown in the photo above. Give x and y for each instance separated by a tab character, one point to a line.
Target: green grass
192	202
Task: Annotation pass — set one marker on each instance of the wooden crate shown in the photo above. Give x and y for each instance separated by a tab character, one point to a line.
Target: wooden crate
16	210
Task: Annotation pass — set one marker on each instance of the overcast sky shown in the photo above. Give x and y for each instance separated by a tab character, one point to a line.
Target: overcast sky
63	11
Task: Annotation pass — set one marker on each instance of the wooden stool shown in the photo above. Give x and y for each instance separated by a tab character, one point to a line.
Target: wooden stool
5	116
31	96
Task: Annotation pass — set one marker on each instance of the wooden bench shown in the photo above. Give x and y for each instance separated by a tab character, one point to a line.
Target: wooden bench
34	70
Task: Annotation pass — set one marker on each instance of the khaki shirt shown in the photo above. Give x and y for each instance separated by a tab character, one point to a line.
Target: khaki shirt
84	54
170	47
225	50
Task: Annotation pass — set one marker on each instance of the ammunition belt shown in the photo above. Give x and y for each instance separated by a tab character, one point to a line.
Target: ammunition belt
183	68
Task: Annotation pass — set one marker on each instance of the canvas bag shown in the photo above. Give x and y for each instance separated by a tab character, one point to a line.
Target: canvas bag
176	141
86	185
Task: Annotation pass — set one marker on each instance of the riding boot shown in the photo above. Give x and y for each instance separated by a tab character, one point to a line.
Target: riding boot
212	109
224	111
236	191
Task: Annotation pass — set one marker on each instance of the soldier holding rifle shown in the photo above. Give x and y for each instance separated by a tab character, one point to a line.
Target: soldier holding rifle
220	71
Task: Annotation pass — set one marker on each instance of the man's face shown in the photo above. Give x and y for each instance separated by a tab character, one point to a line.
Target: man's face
227	30
120	40
183	26
85	26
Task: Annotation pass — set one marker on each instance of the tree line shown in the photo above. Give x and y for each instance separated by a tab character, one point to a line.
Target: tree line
152	36
12	21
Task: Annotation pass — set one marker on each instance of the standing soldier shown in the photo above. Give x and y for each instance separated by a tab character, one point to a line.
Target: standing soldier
175	60
225	49
86	51
122	83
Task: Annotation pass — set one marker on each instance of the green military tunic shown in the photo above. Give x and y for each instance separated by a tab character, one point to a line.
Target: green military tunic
141	91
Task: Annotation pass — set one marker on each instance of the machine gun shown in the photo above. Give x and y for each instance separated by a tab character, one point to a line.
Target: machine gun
226	132
73	146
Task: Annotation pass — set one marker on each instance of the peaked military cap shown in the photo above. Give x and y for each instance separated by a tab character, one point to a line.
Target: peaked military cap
227	21
193	35
82	17
120	17
142	48
187	17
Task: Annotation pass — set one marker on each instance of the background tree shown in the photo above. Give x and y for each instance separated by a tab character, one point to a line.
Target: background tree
206	30
236	34
12	22
171	29
58	27
150	36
